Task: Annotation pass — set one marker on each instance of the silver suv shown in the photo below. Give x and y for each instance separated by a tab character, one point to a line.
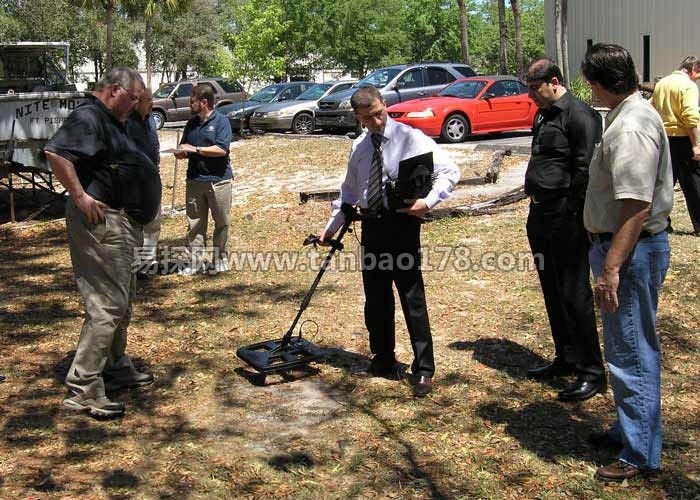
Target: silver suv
396	84
171	102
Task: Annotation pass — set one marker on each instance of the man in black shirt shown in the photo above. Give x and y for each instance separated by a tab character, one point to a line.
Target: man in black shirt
114	190
141	128
565	134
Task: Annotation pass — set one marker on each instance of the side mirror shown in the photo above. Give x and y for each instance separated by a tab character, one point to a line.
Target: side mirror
488	96
400	85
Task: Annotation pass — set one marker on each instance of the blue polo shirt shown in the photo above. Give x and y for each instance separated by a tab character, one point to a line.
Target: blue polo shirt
214	131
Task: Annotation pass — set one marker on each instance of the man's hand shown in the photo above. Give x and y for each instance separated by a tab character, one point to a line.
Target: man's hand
90	207
605	291
185	150
324	239
696	153
417	208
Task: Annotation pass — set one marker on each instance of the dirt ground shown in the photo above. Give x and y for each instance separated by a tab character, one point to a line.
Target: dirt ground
210	428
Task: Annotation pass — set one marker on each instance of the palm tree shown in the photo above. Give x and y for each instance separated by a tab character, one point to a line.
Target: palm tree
109	6
503	38
463	31
515	7
149	8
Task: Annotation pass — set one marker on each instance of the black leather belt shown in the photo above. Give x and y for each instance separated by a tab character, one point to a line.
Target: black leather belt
601	237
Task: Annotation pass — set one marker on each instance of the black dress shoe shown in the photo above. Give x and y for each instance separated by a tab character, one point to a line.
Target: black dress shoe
583	388
423	386
378	368
556	368
2	378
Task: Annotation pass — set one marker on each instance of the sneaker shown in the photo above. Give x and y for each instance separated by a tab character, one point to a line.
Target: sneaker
189	271
98	407
132	378
220	266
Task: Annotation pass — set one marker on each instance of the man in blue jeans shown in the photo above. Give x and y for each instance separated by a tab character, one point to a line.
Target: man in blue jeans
628	200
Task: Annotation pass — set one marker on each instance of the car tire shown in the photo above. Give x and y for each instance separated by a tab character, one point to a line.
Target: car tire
455	128
303	124
159	118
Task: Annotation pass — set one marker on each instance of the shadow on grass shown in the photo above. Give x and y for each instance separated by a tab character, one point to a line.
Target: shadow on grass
506	356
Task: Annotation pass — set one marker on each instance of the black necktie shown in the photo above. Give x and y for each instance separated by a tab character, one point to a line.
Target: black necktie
374	187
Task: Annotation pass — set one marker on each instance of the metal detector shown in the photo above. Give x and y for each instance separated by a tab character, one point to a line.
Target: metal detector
291	352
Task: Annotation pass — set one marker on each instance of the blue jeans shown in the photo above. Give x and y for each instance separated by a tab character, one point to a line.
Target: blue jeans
632	348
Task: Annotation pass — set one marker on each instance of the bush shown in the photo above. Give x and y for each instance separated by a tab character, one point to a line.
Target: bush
580	88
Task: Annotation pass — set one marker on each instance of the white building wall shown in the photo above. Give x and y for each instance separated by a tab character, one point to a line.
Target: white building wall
671	24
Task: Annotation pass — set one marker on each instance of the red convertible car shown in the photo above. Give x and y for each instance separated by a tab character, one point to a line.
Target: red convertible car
475	105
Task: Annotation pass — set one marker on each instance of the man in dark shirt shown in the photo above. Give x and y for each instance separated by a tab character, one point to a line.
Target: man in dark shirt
206	142
565	134
142	129
114	189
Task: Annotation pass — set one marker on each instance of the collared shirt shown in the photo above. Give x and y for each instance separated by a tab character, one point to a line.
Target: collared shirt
676	99
399	142
110	166
562	145
214	131
144	134
633	162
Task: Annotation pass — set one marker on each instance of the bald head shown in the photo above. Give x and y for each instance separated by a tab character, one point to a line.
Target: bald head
145	104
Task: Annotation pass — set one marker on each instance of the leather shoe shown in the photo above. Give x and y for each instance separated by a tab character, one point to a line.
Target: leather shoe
378	368
604	440
583	388
2	378
557	368
618	471
422	387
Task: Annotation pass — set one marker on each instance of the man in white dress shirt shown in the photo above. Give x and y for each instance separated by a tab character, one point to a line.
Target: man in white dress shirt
391	238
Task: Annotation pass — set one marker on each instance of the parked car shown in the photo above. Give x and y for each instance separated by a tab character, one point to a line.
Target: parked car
272	93
470	106
171	102
396	84
296	115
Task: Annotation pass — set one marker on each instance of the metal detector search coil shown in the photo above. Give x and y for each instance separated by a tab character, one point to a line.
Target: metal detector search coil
291	352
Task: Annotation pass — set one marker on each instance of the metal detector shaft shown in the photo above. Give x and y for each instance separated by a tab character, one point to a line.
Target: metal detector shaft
335	245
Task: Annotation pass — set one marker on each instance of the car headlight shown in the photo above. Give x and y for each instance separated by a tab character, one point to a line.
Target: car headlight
275	114
426	113
344	105
234	114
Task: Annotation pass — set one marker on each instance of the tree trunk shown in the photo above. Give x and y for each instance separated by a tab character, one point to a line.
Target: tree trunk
557	34
564	42
147	45
463	31
503	38
109	25
515	7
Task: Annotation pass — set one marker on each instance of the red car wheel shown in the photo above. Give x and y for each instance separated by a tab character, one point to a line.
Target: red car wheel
455	128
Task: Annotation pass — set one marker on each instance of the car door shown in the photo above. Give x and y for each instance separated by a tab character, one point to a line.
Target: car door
182	101
410	85
436	79
502	106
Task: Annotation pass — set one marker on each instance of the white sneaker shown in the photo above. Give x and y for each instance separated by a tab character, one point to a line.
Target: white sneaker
220	266
189	271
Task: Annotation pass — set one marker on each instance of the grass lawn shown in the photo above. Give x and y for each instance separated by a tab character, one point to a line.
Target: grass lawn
207	428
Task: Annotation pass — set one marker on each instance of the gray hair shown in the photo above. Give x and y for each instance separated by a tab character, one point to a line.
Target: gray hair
122	75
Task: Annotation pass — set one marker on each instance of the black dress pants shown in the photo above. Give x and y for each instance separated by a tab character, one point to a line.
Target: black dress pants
687	172
391	255
557	234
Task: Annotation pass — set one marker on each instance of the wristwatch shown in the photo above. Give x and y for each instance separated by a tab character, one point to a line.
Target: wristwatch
197	150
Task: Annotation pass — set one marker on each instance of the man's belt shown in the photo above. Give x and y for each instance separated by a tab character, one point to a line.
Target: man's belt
542	198
602	237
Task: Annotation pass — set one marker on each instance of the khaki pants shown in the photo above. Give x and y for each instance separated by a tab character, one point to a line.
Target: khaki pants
102	256
151	234
202	197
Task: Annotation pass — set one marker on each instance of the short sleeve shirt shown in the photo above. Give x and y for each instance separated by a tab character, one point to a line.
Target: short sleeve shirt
214	131
632	161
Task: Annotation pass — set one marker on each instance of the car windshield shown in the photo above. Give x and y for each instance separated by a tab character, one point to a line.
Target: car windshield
379	78
267	94
163	91
315	92
465	90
